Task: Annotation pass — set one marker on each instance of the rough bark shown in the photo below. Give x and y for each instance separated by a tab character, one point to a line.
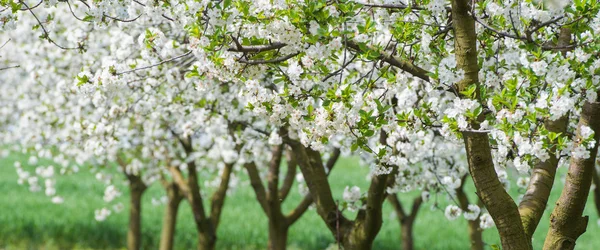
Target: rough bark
134	233
475	233
535	199
500	205
566	221
498	202
167	235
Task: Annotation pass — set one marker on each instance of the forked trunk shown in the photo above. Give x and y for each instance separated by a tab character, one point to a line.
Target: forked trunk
566	221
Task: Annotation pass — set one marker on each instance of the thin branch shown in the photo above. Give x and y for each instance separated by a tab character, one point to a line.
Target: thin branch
123	20
47	35
254	48
276	60
156	64
10	67
416	71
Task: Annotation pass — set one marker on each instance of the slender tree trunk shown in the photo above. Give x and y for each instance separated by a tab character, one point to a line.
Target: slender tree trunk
566	221
170	218
407	226
134	234
406	219
475	234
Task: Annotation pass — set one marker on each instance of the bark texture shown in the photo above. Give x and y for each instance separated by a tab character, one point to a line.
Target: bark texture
500	205
566	221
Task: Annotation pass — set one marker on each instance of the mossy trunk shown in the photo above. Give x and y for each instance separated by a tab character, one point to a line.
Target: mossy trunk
134	233
167	236
566	221
357	239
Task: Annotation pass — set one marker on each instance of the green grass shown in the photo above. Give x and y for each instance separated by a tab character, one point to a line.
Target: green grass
29	221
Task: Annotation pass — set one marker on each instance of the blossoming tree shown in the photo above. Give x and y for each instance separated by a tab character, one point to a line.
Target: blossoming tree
513	83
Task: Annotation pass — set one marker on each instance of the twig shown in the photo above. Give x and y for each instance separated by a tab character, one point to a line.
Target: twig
276	60
156	64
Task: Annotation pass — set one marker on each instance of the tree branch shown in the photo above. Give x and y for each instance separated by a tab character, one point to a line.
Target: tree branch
405	66
218	197
290	175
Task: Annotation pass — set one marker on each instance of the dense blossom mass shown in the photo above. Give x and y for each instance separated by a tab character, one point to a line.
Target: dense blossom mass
162	91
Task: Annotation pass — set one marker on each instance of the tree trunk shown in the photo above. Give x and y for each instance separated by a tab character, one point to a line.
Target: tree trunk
475	234
534	201
566	221
596	182
356	241
170	218
278	232
134	234
207	240
407	226
501	206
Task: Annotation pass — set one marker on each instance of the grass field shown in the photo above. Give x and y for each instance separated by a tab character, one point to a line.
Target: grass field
29	221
